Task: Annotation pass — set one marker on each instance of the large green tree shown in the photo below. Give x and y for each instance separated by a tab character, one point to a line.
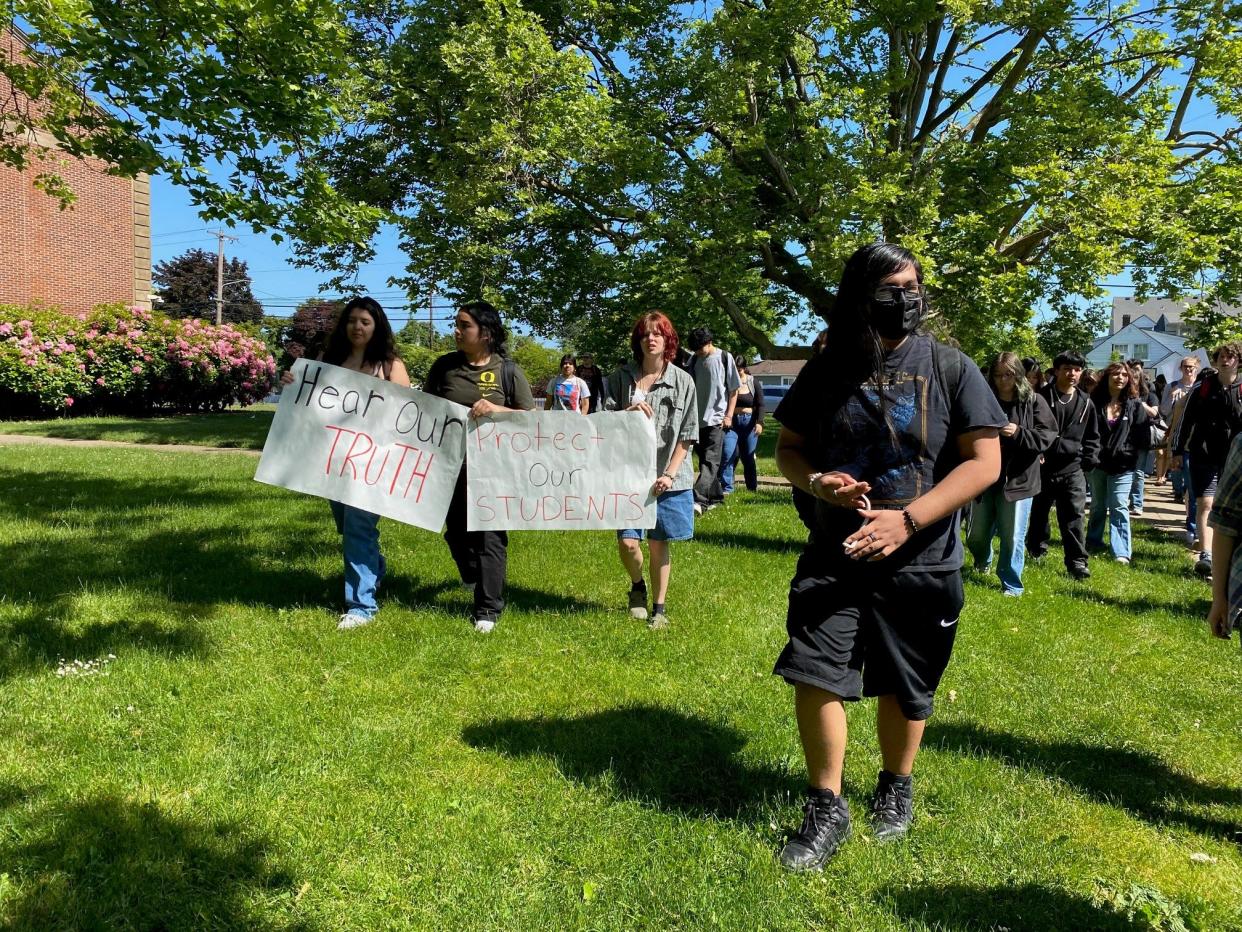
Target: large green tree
577	160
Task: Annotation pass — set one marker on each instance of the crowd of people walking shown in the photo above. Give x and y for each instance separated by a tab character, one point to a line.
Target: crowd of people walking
887	437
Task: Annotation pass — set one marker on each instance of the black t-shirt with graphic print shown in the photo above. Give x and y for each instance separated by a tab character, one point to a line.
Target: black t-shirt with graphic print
902	461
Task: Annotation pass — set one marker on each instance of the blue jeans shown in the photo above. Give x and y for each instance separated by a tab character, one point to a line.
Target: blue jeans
1110	500
1137	487
1181	485
740	443
991	515
364	564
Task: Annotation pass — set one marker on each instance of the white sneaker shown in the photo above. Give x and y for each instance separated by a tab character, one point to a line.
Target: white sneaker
484	624
348	622
698	509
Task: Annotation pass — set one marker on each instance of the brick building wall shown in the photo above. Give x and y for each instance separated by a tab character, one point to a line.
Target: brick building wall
97	251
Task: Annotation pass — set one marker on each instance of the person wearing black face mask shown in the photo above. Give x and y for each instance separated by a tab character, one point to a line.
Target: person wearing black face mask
897	311
891	433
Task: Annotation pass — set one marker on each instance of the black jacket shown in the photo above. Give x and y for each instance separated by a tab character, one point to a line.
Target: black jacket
1118	450
1078	434
1212	417
1020	453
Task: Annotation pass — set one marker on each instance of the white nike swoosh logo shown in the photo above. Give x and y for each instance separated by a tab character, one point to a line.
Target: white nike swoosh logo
947	624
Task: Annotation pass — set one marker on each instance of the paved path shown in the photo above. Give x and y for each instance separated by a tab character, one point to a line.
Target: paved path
8	440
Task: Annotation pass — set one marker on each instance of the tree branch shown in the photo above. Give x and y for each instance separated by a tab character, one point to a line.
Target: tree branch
1021	249
1188	93
991	113
966	96
746	330
919	91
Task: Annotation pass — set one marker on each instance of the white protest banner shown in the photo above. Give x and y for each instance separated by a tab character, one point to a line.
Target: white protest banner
368	443
560	470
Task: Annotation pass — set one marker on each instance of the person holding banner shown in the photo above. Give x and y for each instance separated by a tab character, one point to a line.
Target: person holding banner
891	433
361	341
481	376
666	394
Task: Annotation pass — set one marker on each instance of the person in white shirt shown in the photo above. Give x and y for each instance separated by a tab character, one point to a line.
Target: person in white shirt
567	392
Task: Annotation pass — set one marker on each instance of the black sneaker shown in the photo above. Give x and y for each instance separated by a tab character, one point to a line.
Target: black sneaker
892	806
1203	566
1079	571
825	825
638	603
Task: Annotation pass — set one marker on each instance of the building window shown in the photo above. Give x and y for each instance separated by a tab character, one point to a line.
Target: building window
1140	351
1125	320
1121	349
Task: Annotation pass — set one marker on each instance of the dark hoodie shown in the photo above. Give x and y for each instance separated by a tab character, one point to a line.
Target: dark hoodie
1078	434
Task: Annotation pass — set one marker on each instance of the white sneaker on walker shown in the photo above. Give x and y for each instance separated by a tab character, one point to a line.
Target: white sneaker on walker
348	622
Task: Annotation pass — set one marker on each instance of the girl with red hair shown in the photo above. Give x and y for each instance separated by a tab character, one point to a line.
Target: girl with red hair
663	392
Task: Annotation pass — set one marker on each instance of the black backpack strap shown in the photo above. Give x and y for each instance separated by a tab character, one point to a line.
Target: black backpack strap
949	368
508	381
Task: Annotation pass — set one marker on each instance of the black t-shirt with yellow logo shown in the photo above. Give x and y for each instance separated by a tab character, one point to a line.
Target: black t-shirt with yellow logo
453	378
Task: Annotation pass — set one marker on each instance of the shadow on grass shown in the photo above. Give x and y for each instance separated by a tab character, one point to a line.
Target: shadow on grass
109	863
1190	608
1133	780
1028	908
745	541
126	534
652	755
37	641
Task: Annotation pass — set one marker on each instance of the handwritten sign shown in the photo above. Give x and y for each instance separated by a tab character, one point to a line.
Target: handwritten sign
368	443
559	470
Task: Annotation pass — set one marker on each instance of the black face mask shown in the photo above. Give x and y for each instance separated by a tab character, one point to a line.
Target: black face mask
898	316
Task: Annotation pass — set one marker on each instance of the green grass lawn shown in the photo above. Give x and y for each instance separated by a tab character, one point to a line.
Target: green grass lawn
235	762
244	428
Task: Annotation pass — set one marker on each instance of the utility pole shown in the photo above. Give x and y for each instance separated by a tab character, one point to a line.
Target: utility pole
431	319
221	236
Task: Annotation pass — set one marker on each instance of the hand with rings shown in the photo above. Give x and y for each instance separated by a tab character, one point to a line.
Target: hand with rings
883	532
841	489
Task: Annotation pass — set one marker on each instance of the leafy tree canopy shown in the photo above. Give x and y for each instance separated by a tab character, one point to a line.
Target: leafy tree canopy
187	287
1208	324
579	161
1071	330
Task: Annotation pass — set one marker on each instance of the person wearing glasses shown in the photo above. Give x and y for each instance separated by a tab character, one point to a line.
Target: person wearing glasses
1172	407
891	433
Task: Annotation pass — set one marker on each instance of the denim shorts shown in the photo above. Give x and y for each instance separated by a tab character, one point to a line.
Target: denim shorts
674	518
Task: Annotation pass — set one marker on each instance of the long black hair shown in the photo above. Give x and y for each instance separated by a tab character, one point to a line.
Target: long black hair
853	354
488	319
380	348
854	350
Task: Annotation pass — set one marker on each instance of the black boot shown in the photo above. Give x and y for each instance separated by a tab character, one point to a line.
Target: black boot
825	825
892	806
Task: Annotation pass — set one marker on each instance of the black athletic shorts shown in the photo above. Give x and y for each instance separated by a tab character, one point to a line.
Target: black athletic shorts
857	631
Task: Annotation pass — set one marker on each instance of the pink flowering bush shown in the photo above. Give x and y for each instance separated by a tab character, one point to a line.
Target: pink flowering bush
117	359
43	368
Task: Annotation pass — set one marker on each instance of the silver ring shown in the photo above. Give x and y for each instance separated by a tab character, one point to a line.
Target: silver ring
871	536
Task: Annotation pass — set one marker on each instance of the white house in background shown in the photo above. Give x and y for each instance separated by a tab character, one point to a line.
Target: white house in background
1148	340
